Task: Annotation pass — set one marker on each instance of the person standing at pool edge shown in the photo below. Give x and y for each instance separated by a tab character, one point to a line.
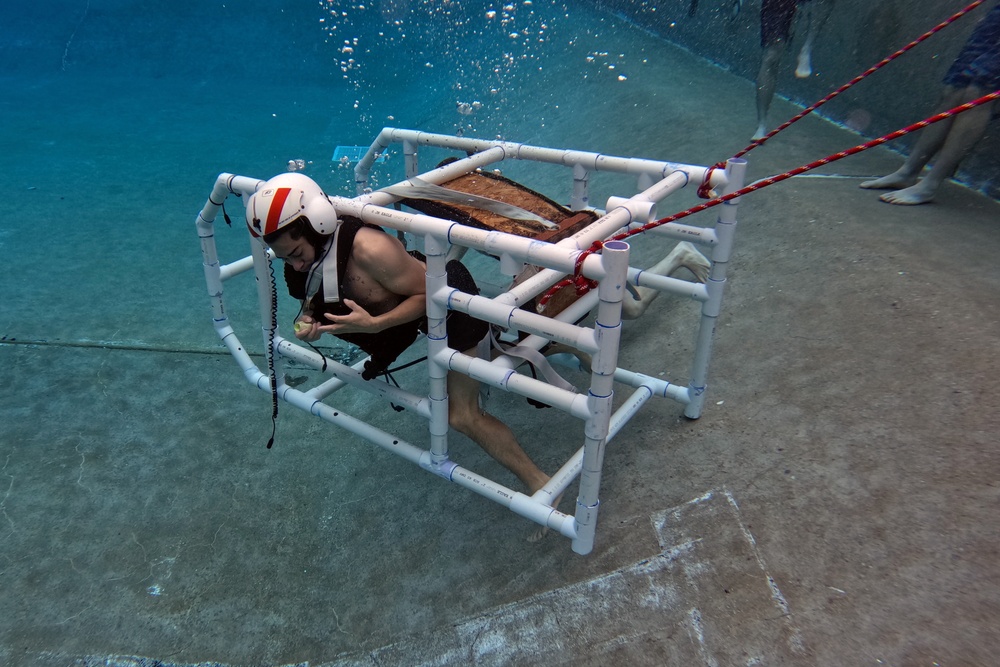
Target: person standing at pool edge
975	72
776	17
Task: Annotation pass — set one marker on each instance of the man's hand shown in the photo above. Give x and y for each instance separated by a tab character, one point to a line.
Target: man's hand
307	329
358	320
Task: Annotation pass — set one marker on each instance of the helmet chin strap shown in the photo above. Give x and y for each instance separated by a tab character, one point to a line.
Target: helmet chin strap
324	271
331	280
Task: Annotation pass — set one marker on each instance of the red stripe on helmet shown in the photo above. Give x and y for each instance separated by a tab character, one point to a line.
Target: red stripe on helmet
274	211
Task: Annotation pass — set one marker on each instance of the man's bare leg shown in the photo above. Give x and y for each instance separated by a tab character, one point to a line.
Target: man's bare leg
932	139
467	417
819	12
965	132
684	255
767	82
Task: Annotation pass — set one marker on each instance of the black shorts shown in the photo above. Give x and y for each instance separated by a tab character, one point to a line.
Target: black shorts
464	331
979	62
776	18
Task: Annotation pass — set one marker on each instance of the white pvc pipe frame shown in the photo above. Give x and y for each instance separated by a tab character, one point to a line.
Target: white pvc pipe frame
610	268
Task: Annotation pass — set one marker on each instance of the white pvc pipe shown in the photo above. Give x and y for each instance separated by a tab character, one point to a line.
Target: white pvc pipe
563	477
438	176
638	205
657	386
246	364
436	280
528	289
351	376
210	260
524	505
725	229
411	166
656	181
627	410
684	288
352	424
328	388
581	188
482	308
702	236
570	158
570	402
603	364
241	265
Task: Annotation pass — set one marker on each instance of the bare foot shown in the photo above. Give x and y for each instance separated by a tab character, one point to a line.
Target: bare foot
760	133
538	534
541	531
693	261
804	70
911	196
684	255
894	181
582	358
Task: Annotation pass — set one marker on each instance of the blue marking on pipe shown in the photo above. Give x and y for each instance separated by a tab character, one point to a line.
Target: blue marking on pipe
447	301
445	469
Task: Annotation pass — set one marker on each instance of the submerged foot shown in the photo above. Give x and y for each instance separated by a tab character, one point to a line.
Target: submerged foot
683	256
734	9
541	531
894	181
911	196
804	69
760	133
693	261
537	534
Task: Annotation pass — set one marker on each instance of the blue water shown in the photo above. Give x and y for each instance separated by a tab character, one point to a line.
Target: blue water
116	122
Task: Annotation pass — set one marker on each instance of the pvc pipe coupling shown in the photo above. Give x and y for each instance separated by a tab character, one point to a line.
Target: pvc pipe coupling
640	210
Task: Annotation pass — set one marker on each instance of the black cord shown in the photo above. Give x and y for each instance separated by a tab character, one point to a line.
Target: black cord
389	378
406	365
272	328
270	352
225	215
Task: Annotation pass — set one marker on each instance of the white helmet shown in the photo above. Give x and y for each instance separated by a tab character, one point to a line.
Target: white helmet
285	198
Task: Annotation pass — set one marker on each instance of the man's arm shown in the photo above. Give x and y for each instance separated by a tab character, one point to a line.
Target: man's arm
384	260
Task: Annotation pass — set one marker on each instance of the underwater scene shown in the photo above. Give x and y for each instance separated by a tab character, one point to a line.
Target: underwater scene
796	464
